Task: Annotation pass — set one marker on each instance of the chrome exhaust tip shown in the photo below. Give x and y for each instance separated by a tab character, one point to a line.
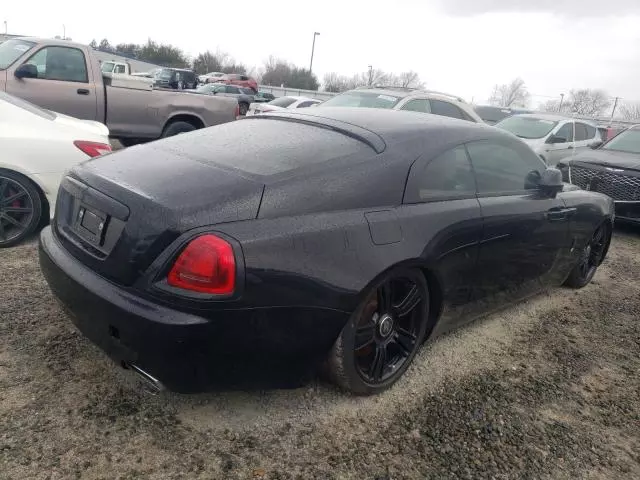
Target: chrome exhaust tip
151	383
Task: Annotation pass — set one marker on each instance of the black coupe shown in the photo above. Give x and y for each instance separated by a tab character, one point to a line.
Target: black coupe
613	169
337	236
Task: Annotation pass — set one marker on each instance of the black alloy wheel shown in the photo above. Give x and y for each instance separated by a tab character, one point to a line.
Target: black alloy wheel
20	208
591	257
243	108
384	334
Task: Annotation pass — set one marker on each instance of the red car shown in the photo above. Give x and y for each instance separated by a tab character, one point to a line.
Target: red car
240	80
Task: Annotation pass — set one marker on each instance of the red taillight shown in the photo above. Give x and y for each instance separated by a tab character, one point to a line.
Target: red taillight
206	265
93	149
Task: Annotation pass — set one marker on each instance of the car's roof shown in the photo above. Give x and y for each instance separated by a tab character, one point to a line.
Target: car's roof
302	98
403	92
390	125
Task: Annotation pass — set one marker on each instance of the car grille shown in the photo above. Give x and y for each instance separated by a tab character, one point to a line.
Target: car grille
619	186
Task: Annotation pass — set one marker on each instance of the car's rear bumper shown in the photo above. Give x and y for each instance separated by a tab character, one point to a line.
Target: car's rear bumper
184	351
628	212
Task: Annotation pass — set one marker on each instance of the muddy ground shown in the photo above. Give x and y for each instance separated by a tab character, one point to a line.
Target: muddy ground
547	389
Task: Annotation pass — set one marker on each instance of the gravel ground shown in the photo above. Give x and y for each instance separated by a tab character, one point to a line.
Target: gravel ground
549	388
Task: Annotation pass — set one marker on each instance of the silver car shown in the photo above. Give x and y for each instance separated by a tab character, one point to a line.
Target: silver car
401	98
553	137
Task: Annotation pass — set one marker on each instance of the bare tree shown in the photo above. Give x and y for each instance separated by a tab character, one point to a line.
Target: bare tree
281	72
408	79
588	102
630	111
217	62
514	94
335	83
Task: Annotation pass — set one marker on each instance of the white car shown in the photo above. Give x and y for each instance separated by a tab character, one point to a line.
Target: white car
36	148
282	103
552	137
210	77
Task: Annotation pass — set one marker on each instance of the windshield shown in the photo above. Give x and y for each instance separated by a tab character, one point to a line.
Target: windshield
627	141
283	102
362	99
163	74
527	127
24	105
11	50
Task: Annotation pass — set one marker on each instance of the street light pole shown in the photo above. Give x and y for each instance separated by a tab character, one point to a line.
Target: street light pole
313	47
561	102
370	74
64	32
6	31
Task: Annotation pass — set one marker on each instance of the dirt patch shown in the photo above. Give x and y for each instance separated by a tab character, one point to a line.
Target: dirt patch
549	388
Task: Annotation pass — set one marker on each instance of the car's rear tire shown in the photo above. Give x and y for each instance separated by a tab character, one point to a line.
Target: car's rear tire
383	335
176	128
21	208
244	108
591	257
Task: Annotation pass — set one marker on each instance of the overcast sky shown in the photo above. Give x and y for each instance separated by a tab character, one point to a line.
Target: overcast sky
459	46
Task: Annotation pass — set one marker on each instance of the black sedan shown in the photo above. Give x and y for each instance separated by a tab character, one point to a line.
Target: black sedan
342	237
613	169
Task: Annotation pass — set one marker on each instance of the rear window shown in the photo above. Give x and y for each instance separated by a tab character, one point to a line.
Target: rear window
24	105
362	99
283	102
527	127
492	114
264	147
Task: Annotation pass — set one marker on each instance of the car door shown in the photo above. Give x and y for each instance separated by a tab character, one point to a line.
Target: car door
441	212
63	84
563	149
525	230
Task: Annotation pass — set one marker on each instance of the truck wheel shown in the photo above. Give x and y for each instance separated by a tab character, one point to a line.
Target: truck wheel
20	208
177	128
244	108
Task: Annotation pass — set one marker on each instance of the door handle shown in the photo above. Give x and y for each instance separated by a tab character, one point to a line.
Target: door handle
560	214
83	91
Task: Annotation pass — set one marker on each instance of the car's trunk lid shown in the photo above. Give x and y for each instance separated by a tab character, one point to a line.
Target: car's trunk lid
118	212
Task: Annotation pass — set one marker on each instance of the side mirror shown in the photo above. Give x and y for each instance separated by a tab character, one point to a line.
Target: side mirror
595	145
27	70
555	139
551	181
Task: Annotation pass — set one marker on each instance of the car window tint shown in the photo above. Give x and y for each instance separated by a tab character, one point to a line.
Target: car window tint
231	89
417	105
566	132
591	131
503	166
283	102
445	109
449	175
60	63
581	132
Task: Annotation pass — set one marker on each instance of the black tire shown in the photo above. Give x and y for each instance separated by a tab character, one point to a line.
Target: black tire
176	128
129	142
366	338
591	258
20	208
243	107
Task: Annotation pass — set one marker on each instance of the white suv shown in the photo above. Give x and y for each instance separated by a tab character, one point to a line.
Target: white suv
553	137
400	98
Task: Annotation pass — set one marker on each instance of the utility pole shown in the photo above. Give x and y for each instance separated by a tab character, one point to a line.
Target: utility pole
313	47
561	102
615	104
6	31
370	74
64	32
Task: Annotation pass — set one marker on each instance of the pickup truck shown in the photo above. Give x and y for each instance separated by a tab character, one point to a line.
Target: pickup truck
66	77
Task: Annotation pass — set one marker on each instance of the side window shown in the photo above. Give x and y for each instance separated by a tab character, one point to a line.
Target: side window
446	109
566	132
417	105
60	63
591	131
244	77
307	103
231	89
581	132
447	176
503	167
119	69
